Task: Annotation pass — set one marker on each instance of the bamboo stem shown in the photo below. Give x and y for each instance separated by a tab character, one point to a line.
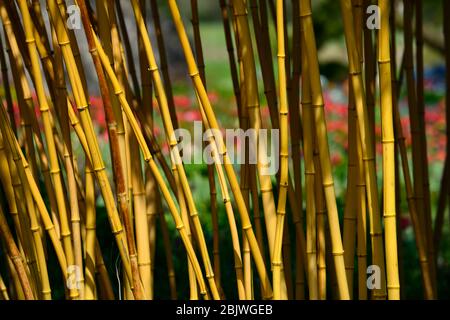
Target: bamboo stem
389	200
324	153
245	220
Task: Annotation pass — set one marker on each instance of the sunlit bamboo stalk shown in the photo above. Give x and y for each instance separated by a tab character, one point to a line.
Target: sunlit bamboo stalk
324	153
284	155
86	123
54	165
245	220
149	159
389	212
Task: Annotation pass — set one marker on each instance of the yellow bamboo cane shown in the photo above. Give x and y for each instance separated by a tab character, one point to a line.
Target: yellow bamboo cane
284	155
13	188
62	113
321	131
366	143
92	144
27	193
42	280
321	234
20	215
162	100
393	284
90	265
26	107
252	100
193	71
149	159
54	165
14	192
6	84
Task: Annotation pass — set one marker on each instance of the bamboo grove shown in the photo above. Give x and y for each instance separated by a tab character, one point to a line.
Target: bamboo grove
289	238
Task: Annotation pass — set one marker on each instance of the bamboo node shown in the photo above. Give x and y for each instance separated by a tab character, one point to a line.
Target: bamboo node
118	92
36	229
55	171
98	169
247	227
338	253
173	143
305	15
194	73
82	108
65	234
44	108
389	215
361	185
265	190
328	184
194	214
393	286
117	231
64	43
138	193
354	72
384	61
